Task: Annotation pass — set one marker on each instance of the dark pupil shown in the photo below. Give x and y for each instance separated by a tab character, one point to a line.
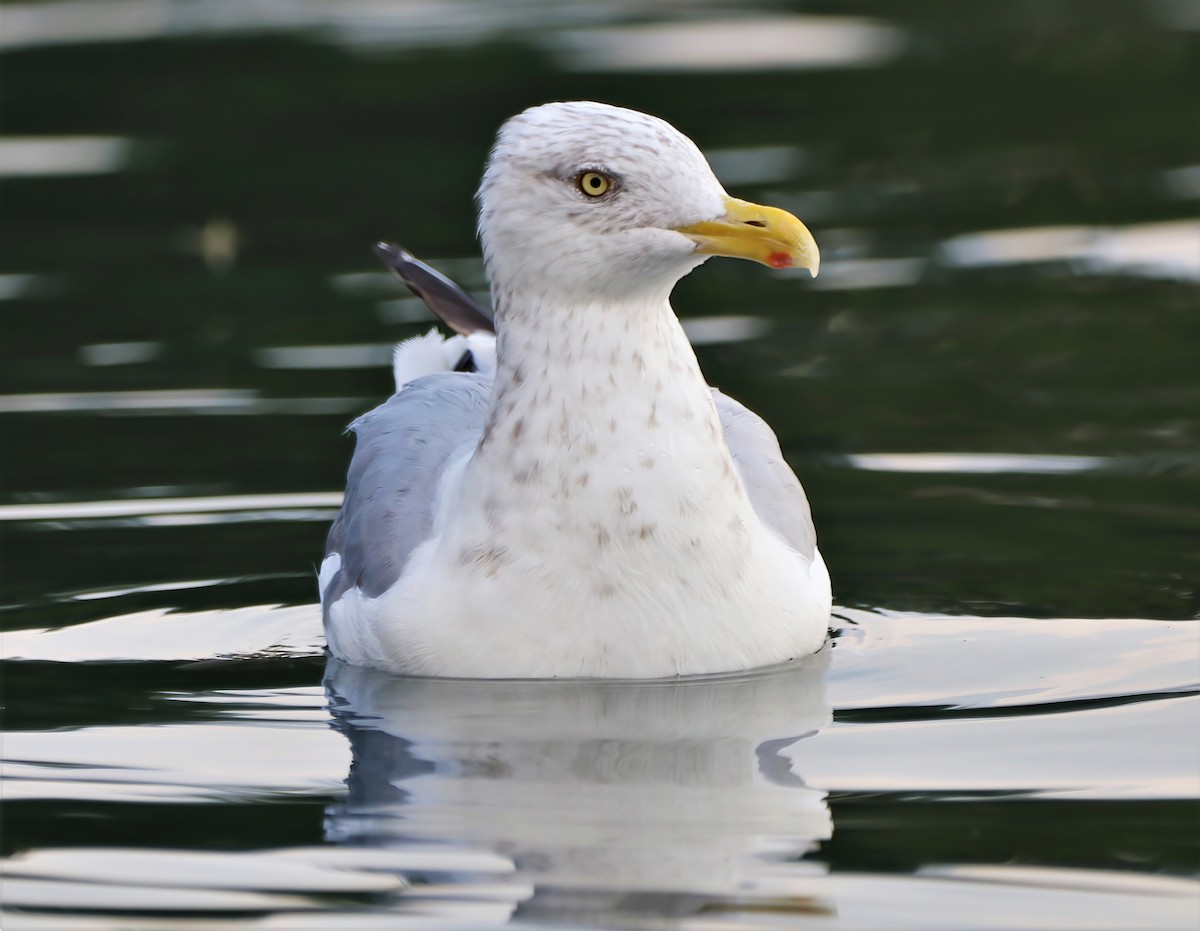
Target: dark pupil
594	181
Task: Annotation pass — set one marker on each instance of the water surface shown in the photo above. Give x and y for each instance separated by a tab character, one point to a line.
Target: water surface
990	394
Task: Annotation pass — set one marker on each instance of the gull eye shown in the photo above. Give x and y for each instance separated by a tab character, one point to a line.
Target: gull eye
593	183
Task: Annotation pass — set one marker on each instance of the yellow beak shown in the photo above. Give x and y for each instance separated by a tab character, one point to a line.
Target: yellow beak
763	234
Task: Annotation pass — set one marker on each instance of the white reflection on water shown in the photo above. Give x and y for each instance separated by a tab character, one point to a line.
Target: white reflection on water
55	894
14	286
203	400
203	762
199	401
710	331
1151	250
274	871
866	274
289	514
733	44
149	507
1024	706
907	660
1182	183
345	356
106	354
161	634
105	593
1040	755
975	463
38	156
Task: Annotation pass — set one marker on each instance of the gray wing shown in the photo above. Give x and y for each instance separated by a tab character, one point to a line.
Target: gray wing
402	447
774	490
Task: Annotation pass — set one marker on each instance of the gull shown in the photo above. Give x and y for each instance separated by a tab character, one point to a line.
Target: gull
570	498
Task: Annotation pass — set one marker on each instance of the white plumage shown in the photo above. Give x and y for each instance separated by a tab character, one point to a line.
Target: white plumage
583	504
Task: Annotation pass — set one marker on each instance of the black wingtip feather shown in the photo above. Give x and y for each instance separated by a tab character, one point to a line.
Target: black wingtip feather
454	306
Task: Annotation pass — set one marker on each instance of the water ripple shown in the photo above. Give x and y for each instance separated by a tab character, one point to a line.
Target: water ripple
165	507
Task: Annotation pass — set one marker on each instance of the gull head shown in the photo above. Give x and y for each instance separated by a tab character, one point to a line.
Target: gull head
587	201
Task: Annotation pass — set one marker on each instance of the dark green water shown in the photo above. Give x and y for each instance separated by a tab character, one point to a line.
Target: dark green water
992	395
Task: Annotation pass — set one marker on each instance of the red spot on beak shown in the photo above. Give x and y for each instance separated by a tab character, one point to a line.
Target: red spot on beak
779	260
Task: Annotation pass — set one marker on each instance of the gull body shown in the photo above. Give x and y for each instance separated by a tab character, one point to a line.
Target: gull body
583	504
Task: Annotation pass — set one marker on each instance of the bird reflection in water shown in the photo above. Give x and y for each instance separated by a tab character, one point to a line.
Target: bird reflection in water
563	799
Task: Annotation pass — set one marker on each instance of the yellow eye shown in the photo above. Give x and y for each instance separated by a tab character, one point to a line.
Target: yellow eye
594	184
